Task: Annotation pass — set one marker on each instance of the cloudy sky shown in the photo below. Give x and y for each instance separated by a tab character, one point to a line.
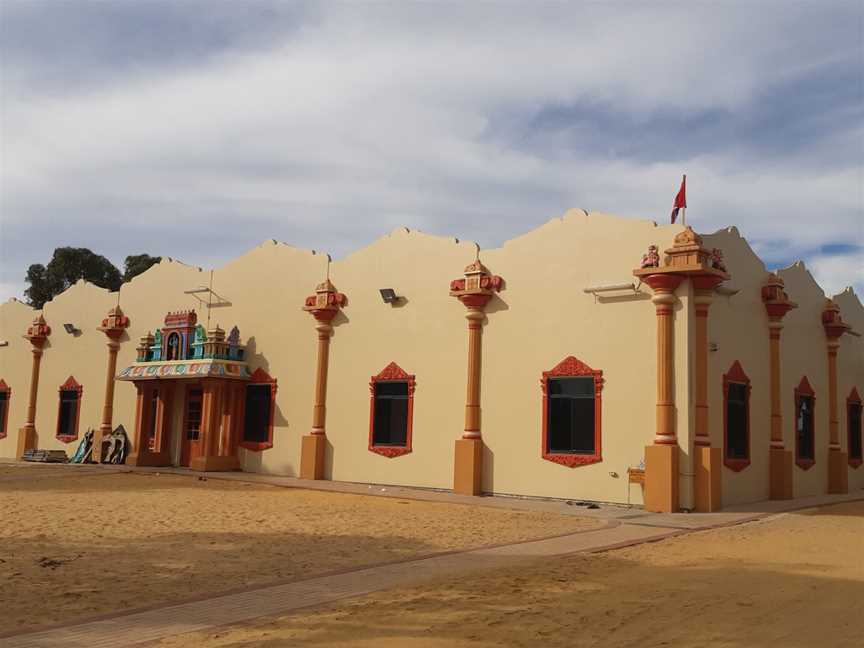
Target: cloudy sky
198	129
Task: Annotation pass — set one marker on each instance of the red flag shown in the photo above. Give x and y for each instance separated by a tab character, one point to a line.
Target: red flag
680	199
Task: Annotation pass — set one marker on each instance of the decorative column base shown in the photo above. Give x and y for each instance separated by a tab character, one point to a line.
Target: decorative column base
468	467
780	474
99	437
312	456
147	458
661	479
26	440
838	475
708	467
214	464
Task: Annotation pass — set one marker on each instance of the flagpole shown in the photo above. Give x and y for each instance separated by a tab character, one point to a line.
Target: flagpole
684	217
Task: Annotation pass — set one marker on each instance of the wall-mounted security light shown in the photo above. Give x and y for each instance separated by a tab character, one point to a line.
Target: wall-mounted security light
388	295
713	346
71	329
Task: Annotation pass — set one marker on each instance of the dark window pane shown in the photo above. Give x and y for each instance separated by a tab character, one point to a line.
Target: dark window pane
583	426
855	431
736	430
737	393
582	386
390	425
68	412
391	389
4	403
804	428
570	422
559	424
256	424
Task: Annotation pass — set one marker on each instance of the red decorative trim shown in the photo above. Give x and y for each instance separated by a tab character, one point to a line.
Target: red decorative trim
572	367
663	282
735	375
392	372
5	420
706	282
259	377
804	389
854	398
70	385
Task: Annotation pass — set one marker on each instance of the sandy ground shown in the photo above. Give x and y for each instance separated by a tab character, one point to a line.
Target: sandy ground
795	580
76	544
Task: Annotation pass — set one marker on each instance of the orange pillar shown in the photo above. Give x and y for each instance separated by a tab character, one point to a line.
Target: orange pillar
324	305
838	476
37	334
113	327
661	458
474	291
707	460
780	460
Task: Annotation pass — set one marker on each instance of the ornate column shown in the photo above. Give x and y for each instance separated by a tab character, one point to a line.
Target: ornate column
324	305
113	327
707	460
835	327
474	291
37	334
687	258
780	461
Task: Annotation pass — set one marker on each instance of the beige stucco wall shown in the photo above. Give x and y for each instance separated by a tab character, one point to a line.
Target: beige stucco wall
541	317
850	370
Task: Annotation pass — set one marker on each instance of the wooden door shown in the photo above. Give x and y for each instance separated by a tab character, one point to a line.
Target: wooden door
192	440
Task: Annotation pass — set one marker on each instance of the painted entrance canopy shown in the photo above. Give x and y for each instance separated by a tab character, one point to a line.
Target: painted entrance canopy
182	348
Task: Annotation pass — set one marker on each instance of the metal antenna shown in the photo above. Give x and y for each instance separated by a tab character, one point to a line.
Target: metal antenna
209	300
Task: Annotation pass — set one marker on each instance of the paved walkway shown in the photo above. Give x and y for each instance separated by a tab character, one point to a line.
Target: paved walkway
623	527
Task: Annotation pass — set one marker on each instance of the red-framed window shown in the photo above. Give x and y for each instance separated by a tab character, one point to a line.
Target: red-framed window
853	428
258	410
69	410
736	418
805	425
5	397
572	408
391	411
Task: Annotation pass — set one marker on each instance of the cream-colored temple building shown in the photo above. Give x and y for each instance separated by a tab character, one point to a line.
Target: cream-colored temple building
594	358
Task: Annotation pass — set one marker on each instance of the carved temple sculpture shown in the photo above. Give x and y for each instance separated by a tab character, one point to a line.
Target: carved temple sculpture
191	395
686	259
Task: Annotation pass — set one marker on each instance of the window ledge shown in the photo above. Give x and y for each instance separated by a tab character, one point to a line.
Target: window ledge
256	447
572	460
736	465
67	438
390	451
805	464
855	463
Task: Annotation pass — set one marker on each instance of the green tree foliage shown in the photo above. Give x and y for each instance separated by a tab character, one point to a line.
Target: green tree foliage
136	264
67	266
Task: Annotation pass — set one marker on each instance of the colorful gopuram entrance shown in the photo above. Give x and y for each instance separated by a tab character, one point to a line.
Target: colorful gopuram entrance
191	395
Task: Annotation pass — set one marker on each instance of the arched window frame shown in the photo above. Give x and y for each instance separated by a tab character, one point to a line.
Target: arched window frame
70	385
735	375
854	399
260	377
392	373
571	367
804	389
4	416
